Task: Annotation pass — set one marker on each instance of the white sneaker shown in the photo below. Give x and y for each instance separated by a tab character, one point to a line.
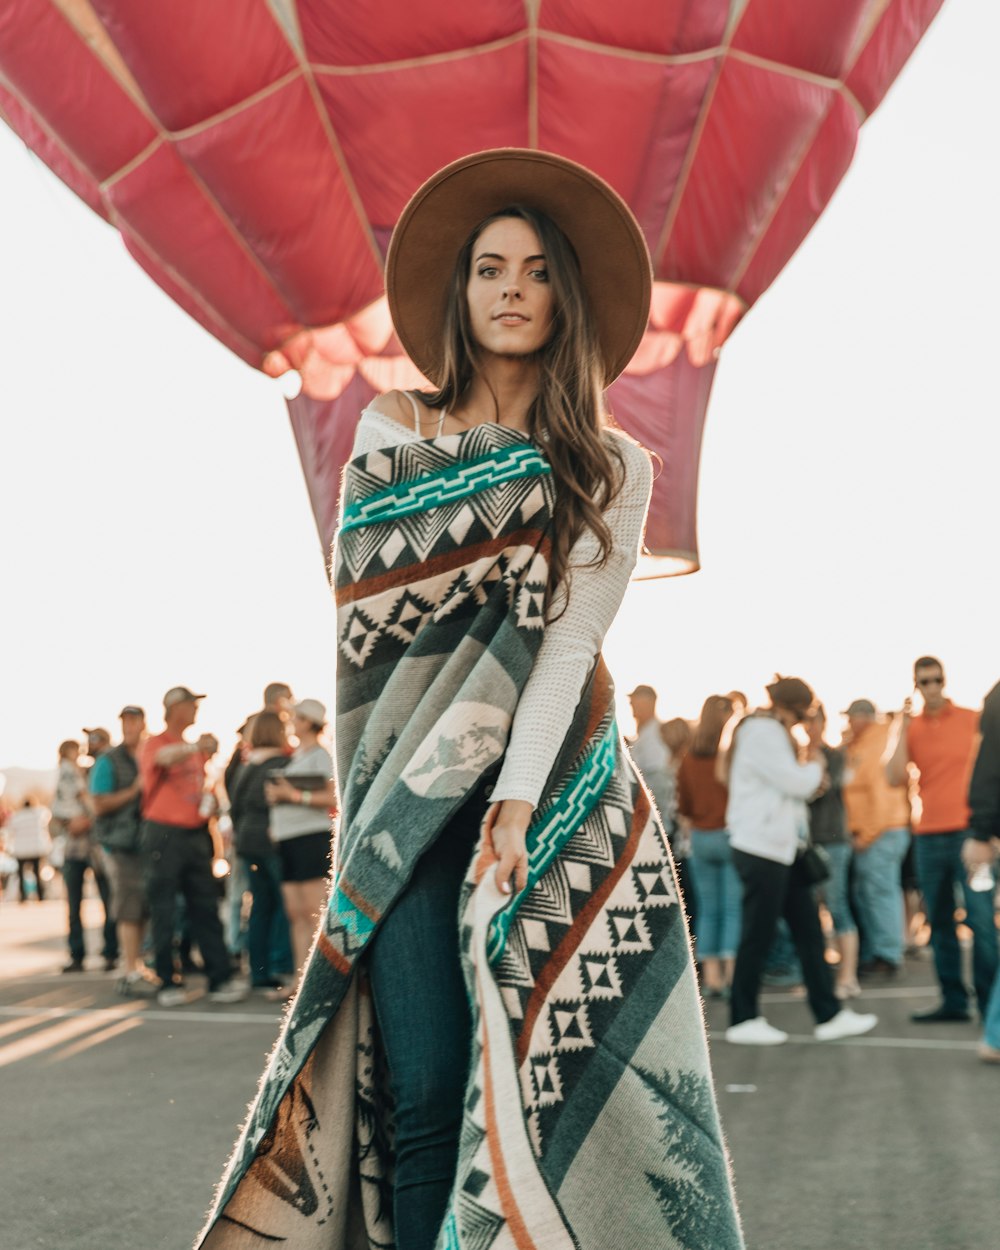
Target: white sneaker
846	1023
172	996
755	1032
229	992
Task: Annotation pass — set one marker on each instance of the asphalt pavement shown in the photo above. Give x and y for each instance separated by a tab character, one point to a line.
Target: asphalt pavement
118	1115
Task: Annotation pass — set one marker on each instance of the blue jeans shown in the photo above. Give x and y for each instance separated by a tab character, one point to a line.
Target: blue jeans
991	1030
939	867
717	893
426	1027
74	872
834	890
878	894
239	884
268	939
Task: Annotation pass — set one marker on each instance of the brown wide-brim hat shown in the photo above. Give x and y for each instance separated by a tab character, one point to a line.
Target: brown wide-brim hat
614	260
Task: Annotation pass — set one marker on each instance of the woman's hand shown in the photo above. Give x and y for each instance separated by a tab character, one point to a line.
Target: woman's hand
506	825
280	790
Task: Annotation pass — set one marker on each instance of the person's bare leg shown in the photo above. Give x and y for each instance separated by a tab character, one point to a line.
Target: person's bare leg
847	969
130	941
711	974
303	904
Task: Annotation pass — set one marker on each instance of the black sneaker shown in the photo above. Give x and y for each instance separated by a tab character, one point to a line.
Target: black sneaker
878	967
942	1015
75	965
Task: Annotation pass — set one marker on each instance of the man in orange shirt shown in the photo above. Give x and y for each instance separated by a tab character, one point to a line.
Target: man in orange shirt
177	848
941	743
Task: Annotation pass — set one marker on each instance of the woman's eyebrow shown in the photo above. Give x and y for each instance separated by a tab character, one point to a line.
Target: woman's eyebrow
497	256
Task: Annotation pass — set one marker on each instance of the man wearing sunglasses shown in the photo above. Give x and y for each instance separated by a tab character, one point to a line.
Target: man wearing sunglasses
941	743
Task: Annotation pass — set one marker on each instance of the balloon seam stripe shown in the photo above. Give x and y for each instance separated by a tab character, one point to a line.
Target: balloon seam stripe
417	62
126	228
326	122
240	106
780	196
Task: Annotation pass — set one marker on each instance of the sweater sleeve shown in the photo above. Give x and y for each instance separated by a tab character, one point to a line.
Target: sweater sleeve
571	644
769	754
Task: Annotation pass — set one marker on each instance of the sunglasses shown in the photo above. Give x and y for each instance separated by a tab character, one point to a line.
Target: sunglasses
930	681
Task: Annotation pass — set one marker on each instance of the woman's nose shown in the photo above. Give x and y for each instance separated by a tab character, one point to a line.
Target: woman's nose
512	291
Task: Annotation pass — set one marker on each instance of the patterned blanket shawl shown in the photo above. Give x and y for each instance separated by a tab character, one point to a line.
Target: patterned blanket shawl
590	1119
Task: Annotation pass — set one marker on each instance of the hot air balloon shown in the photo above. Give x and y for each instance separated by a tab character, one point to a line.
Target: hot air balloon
255	156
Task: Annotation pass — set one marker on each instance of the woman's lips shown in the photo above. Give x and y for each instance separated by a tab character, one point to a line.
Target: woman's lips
511	319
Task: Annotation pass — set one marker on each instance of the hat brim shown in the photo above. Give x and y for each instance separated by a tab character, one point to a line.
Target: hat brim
614	259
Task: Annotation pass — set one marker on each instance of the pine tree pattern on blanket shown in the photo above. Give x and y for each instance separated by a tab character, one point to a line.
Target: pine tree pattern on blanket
589	1054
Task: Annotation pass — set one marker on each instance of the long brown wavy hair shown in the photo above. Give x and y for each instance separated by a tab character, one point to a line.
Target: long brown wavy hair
715	712
568	415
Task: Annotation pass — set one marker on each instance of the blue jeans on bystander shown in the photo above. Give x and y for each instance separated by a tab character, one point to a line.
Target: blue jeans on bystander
268	940
878	893
717	893
834	890
939	869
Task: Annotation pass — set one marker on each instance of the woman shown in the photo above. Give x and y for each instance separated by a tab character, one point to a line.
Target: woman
28	840
302	798
267	929
503	894
768	830
828	829
701	804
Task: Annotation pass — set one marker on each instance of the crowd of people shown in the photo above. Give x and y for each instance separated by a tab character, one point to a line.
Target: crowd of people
172	848
798	861
805	862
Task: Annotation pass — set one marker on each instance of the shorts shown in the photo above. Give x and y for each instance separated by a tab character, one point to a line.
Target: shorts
128	891
308	857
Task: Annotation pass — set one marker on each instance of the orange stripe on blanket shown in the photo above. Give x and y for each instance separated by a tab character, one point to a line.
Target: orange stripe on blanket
601	692
332	955
566	948
460	557
515	1221
359	901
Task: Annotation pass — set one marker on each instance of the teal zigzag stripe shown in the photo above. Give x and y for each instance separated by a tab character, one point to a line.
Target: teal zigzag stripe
548	835
345	915
447	486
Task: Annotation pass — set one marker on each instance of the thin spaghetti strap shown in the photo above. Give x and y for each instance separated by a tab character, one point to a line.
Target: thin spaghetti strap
416	412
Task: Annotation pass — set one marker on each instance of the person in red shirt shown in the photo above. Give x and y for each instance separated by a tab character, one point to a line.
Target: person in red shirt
940	744
177	848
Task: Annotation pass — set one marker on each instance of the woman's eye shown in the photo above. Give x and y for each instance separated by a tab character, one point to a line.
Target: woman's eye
488	271
541	275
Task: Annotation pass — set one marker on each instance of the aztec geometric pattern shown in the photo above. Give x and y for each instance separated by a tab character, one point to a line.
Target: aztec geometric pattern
586	1016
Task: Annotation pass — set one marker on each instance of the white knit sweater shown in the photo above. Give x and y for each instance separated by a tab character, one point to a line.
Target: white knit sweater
552	692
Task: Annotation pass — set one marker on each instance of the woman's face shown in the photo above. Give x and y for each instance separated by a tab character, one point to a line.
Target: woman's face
510	299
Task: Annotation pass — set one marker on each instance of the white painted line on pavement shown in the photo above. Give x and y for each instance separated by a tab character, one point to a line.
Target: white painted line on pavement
878	1043
867	995
149	1013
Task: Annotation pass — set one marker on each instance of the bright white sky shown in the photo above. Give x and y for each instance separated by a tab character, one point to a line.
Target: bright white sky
155	529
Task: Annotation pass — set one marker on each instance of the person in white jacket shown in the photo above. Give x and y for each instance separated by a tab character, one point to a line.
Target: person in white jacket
768	825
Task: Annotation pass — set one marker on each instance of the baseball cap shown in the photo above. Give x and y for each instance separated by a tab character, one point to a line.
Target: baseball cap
98	735
311	710
860	707
643	689
180	694
131	709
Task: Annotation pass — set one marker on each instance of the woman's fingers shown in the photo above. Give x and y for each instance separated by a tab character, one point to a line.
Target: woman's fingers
513	862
